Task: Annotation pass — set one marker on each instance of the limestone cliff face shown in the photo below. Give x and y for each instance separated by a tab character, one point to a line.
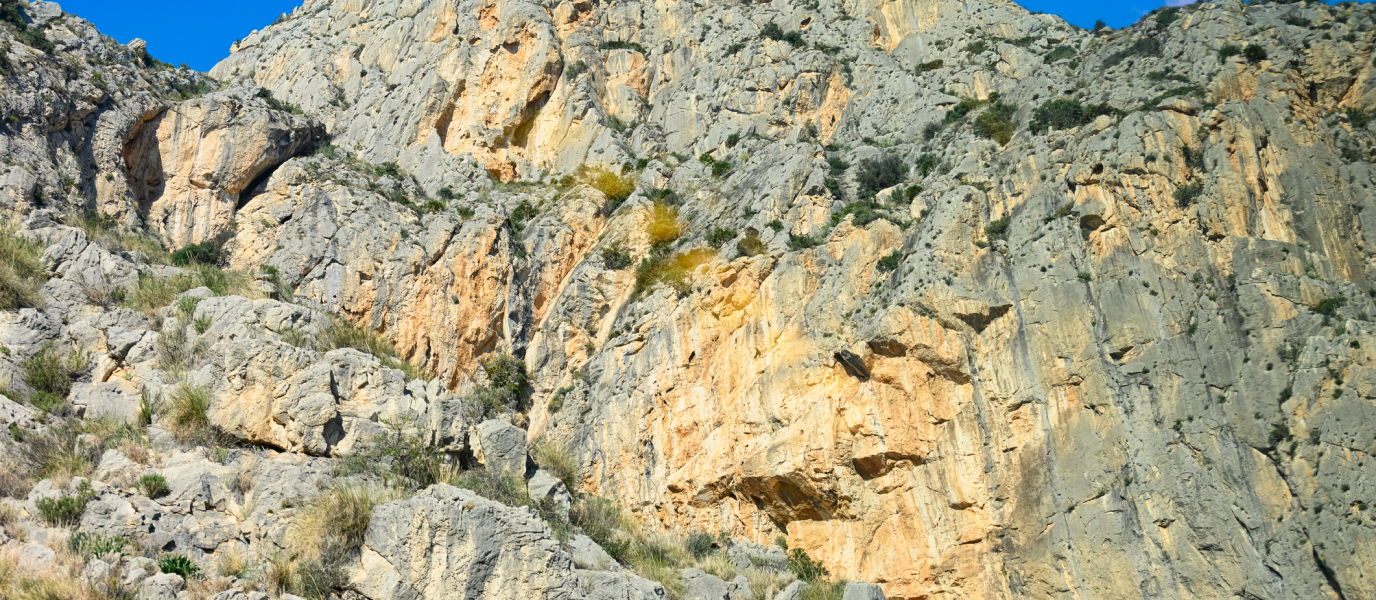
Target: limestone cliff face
1117	354
190	165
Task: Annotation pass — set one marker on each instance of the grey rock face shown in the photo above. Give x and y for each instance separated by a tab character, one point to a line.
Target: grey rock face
860	590
544	485
624	585
587	554
1142	324
164	586
500	446
794	591
413	546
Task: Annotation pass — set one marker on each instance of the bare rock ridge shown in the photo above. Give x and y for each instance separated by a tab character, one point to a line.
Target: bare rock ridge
949	297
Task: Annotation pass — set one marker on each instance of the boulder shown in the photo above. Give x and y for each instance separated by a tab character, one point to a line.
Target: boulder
623	585
413	548
112	399
543	485
500	446
164	586
861	590
588	555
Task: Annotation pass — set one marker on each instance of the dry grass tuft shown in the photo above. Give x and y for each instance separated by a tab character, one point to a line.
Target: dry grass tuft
334	522
558	460
21	272
186	417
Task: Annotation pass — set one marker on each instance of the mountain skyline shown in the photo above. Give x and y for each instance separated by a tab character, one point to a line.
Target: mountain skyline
167	25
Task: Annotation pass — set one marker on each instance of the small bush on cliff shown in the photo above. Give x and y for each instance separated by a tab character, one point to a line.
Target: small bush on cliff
615	187
179	564
1065	114
153	485
996	122
615	258
670	271
50	374
21	272
803	567
877	174
65	510
506	374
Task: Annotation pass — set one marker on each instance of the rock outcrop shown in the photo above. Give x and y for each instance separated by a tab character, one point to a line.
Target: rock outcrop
956	298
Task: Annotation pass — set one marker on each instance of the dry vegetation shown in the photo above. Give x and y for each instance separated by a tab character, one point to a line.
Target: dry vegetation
21	273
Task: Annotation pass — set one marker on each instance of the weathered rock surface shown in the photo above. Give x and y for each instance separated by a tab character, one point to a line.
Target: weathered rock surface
448	542
1117	356
190	166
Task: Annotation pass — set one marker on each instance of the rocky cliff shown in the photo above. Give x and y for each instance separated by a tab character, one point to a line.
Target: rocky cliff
955	298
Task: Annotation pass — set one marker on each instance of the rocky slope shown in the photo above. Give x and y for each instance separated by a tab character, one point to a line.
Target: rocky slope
956	298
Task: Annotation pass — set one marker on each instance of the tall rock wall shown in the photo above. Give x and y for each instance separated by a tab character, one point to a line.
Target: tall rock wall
1103	329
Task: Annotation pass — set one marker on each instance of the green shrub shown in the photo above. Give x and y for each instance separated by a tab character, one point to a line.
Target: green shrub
772	31
21	272
720	167
1058	54
795	38
1189	193
996	122
720	236
700	544
51	372
505	373
890	262
13	13
65	510
803	567
1145	46
576	69
961	109
1228	51
834	187
1166	16
179	564
978	47
91	545
622	45
1065	114
1328	307
930	65
751	245
615	258
926	163
802	242
878	174
153	486
1254	53
1358	118
837	164
997	229
864	212
205	253
671	271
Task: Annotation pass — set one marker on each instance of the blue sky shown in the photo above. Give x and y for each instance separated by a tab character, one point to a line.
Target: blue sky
199	32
